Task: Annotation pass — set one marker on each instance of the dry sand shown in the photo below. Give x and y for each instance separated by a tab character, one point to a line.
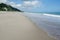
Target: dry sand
14	26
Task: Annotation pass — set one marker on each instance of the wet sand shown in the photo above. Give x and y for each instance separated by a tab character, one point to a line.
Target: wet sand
14	26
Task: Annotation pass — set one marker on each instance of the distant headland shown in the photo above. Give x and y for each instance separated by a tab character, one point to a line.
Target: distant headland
5	7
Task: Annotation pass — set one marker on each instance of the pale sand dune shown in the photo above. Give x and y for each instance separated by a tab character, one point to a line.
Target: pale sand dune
14	26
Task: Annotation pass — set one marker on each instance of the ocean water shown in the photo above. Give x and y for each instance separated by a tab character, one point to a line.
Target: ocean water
49	22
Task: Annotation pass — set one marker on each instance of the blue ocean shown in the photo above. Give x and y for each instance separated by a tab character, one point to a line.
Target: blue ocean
48	21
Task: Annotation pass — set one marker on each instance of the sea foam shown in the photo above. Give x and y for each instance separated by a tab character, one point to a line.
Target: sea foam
52	15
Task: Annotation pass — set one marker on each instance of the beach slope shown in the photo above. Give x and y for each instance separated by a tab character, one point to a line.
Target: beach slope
14	26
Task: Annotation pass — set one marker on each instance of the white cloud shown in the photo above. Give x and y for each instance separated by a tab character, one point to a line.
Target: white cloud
32	4
25	4
14	4
3	1
35	2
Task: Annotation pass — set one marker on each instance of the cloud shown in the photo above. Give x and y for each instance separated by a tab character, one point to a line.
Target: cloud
15	5
3	1
32	4
28	0
27	4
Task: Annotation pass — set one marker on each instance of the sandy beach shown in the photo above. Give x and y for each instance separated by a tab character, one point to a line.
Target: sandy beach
15	26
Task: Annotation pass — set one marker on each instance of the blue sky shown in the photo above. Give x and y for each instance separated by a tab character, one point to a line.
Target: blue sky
35	5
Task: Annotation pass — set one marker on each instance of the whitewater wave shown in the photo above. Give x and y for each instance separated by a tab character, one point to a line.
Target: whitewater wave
45	14
52	15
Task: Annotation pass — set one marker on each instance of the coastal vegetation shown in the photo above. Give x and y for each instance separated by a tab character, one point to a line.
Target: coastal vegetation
5	7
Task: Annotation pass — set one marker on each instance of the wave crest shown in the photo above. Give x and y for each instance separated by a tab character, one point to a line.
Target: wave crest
52	15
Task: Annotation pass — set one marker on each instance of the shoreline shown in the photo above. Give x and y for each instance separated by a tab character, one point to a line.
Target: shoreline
18	27
39	27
